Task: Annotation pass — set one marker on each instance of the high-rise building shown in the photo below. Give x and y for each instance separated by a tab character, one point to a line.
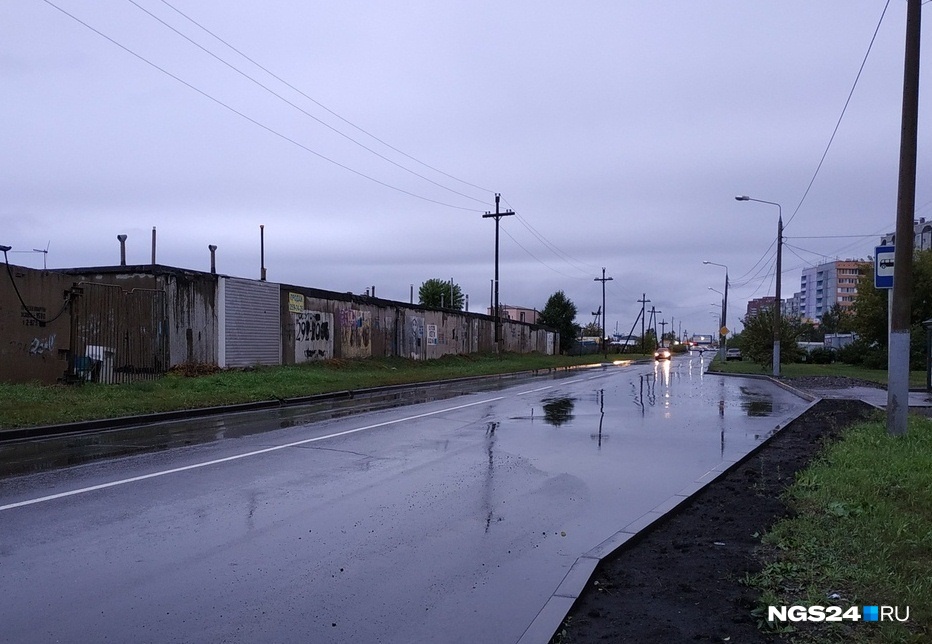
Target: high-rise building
922	231
825	285
759	303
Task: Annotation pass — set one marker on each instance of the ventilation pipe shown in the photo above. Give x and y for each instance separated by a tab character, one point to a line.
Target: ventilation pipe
213	259
122	239
262	252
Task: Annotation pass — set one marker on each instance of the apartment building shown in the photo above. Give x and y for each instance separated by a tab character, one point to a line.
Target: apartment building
922	235
758	304
823	286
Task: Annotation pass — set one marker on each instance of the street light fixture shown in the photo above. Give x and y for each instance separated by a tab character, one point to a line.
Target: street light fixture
778	304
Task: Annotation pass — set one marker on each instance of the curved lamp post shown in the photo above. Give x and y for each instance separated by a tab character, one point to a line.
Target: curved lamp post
778	304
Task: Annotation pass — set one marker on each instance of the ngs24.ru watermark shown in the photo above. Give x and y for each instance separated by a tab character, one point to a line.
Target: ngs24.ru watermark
837	614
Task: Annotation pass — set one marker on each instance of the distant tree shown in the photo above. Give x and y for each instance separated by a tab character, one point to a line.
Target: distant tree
809	332
836	320
438	293
649	341
869	311
735	340
591	330
559	313
757	338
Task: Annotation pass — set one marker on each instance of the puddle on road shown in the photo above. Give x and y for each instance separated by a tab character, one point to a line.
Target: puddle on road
755	403
35	455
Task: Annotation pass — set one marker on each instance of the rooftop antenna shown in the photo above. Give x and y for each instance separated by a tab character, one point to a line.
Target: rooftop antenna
45	254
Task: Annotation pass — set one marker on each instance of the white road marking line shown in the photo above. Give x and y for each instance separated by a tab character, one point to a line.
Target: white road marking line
195	466
533	391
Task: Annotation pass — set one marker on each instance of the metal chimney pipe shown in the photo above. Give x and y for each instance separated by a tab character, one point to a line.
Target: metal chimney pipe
262	252
153	245
213	259
122	239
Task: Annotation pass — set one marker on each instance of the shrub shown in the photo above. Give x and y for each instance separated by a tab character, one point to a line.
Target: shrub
821	356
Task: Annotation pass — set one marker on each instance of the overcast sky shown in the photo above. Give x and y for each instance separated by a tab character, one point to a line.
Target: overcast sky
370	137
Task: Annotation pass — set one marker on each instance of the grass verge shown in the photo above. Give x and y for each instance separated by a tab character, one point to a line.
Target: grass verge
860	535
34	405
917	379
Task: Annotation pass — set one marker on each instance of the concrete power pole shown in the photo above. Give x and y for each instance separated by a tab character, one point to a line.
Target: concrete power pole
901	309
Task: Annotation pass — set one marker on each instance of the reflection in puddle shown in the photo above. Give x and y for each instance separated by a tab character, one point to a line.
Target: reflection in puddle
558	411
756	403
758	407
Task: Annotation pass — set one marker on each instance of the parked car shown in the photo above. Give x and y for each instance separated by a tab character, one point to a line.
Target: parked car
662	353
732	354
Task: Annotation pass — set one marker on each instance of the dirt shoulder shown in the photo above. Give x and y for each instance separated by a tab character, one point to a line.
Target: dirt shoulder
681	580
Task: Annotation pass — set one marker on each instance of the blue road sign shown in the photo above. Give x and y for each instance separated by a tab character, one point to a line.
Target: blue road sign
883	267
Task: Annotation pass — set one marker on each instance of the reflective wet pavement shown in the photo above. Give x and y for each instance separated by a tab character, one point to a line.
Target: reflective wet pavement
465	519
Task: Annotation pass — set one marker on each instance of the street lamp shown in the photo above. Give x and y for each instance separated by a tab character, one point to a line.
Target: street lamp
724	308
778	304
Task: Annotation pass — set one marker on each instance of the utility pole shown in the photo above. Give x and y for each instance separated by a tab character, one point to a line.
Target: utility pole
643	301
901	306
653	318
603	279
498	314
663	331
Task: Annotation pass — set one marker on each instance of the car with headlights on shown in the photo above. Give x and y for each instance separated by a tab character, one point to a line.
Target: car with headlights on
662	353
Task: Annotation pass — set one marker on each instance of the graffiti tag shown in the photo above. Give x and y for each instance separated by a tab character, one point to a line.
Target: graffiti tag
42	345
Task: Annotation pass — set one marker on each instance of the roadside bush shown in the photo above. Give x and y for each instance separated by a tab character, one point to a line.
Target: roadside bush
821	356
858	352
875	358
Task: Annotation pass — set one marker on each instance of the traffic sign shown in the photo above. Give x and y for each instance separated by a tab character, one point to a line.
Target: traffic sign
723	330
883	266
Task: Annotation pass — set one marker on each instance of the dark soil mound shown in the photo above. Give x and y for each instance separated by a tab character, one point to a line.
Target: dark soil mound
681	580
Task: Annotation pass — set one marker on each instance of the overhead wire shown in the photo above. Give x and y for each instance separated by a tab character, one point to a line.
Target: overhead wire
831	138
252	120
840	116
576	264
533	256
319	104
297	107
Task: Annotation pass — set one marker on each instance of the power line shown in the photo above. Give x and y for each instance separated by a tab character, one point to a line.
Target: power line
841	116
321	105
252	120
285	100
553	248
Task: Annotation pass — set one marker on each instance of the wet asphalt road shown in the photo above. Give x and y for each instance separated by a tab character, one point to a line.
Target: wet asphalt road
453	520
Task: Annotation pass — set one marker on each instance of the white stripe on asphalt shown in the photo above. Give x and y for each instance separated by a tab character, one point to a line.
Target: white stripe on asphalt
153	475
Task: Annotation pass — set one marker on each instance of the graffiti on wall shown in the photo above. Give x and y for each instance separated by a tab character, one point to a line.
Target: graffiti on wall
38	346
312	338
414	339
355	332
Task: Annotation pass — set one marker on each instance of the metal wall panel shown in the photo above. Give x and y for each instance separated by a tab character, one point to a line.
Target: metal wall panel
117	335
251	323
